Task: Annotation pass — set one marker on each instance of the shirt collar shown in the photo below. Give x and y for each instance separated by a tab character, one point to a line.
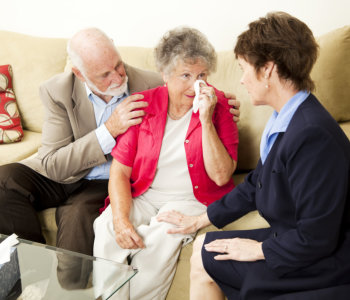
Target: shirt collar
280	121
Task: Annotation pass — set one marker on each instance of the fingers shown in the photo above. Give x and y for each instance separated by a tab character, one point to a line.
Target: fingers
136	114
209	92
234	110
137	240
176	230
222	257
132	102
219	245
172	217
134	97
125	240
236	113
230	95
182	224
129	240
234	102
129	113
126	236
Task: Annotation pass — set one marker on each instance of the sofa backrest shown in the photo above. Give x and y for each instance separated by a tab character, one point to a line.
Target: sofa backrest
36	59
33	61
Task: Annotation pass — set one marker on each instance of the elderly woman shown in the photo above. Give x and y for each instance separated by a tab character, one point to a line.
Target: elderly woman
175	159
305	253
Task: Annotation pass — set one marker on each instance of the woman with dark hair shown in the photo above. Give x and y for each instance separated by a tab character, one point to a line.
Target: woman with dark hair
300	185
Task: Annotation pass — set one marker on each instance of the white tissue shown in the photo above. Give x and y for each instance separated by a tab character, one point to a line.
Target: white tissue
196	101
5	248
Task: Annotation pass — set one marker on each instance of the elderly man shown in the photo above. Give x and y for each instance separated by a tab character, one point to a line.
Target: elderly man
85	110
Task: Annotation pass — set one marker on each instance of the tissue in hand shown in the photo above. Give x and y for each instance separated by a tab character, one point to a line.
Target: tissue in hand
196	101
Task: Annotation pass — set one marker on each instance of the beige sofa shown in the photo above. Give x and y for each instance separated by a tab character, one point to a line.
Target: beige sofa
36	59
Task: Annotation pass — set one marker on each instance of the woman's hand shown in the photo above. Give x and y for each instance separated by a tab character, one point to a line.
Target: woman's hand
126	235
184	224
236	249
208	100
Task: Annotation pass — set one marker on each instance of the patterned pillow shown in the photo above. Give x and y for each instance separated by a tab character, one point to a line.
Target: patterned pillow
10	121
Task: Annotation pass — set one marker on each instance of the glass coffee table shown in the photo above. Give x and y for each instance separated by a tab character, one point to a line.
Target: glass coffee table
46	272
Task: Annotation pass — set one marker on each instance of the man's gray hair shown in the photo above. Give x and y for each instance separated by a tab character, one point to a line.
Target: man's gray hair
75	58
186	44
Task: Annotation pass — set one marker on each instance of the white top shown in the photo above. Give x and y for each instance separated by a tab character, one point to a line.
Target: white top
172	180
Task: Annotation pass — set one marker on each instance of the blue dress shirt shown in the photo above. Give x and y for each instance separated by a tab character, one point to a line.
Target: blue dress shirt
279	122
107	142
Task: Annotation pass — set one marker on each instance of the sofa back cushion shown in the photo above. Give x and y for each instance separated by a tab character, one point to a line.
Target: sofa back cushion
331	73
33	60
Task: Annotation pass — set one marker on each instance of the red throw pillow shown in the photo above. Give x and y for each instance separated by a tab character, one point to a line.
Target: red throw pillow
10	121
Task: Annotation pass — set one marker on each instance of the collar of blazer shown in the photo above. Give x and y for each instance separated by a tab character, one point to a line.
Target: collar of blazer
137	81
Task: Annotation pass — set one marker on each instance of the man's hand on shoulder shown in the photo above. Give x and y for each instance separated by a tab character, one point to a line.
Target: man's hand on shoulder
235	104
127	113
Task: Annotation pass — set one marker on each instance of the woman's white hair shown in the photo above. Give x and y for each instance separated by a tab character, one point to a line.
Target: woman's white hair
184	44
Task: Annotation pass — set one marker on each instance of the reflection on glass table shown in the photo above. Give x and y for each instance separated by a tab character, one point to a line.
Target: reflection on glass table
47	272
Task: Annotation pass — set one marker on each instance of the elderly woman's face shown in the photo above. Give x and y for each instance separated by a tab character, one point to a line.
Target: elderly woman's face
255	85
180	82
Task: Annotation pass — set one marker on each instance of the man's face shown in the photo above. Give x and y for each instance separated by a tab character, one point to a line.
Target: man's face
106	75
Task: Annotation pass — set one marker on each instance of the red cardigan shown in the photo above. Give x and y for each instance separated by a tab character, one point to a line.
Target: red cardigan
139	147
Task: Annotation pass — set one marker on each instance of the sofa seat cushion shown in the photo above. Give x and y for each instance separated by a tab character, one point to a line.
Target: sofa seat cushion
18	151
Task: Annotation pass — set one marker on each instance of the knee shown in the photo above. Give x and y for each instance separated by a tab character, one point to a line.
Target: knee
10	171
198	273
100	225
196	258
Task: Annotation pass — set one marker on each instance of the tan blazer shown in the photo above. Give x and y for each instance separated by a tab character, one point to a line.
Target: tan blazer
69	144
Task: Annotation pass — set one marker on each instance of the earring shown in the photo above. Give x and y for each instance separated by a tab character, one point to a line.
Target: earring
266	85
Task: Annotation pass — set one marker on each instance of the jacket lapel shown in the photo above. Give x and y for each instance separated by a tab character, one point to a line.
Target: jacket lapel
83	109
135	82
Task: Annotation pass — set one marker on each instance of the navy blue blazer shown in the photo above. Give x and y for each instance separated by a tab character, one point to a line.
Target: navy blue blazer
302	190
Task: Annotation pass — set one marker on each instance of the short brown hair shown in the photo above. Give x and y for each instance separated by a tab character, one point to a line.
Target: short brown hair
284	40
187	44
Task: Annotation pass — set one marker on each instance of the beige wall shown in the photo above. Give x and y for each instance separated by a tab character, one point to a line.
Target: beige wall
142	23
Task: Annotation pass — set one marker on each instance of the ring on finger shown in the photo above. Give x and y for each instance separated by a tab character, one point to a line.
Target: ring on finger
211	96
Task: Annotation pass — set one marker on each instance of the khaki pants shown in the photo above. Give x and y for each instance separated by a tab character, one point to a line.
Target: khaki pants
157	262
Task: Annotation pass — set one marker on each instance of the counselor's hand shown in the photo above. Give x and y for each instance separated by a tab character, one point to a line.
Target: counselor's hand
183	224
236	249
126	235
126	114
234	110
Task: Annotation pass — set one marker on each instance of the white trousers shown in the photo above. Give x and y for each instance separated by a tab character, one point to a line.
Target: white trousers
156	263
